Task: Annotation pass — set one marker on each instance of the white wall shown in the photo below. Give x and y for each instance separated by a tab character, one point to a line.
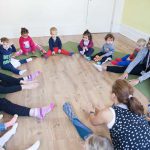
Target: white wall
39	15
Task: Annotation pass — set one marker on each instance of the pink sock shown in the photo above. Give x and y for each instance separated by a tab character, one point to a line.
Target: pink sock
11	122
45	110
32	76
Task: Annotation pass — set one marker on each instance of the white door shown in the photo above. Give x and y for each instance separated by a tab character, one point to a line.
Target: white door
99	15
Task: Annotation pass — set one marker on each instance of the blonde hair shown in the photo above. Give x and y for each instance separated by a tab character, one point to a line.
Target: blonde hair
53	29
95	142
141	42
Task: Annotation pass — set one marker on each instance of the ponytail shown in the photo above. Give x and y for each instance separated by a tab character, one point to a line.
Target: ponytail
135	106
88	33
124	93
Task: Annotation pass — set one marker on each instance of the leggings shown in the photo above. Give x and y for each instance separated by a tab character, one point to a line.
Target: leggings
9	84
87	53
117	69
12	109
64	52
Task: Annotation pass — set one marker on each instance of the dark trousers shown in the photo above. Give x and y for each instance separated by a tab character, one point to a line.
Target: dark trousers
11	68
87	53
117	69
12	109
103	59
9	84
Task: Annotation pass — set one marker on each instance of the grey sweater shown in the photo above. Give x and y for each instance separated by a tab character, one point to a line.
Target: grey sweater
139	59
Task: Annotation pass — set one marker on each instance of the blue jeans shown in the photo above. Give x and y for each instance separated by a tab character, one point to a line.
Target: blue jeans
83	131
2	127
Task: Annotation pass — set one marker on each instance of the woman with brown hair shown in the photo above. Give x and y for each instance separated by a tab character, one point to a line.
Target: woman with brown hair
125	119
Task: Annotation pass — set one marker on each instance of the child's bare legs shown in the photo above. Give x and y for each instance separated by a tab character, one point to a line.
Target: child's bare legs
11	122
8	135
30	86
35	146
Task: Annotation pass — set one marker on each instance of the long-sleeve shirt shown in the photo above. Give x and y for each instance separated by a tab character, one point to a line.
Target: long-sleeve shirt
5	55
54	43
108	49
140	58
26	44
90	45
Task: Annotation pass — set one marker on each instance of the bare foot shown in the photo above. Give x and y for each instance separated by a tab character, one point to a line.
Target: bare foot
30	86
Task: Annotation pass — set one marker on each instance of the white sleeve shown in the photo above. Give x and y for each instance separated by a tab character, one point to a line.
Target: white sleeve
112	122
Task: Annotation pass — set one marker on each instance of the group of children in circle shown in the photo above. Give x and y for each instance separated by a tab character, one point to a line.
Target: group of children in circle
126	106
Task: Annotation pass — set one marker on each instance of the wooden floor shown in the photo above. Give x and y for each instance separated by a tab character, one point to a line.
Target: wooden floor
64	79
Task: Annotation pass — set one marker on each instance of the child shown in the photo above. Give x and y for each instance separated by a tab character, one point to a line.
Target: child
6	60
55	45
27	44
127	59
107	50
93	142
85	47
125	119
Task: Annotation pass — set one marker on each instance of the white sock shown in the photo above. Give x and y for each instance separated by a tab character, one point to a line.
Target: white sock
29	59
8	135
22	72
25	78
35	146
1	116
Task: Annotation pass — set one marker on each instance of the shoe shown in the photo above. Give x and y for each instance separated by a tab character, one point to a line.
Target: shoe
67	108
108	59
98	63
71	53
87	58
98	67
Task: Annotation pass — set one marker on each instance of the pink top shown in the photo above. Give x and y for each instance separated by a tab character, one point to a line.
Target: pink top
26	44
90	45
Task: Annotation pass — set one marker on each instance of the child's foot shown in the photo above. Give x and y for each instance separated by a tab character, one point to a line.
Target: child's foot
98	67
87	58
35	146
11	122
22	72
1	116
82	52
44	110
32	76
71	53
98	63
67	108
114	62
30	86
29	59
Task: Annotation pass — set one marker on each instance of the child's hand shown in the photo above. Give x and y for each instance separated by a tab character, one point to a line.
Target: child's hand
59	51
86	48
53	53
107	49
124	76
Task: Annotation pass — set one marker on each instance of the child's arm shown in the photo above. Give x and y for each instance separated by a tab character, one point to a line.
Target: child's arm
13	48
81	43
59	43
22	45
110	52
32	44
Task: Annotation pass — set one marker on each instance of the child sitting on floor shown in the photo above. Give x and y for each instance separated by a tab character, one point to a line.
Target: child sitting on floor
55	45
85	47
6	60
107	50
27	44
92	141
127	59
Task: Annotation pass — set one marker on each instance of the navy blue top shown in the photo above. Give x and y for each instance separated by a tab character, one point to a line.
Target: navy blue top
130	131
56	43
5	55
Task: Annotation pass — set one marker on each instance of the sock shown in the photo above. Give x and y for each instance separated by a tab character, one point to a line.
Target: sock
41	112
29	59
1	116
71	53
35	146
11	122
8	135
22	72
32	76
